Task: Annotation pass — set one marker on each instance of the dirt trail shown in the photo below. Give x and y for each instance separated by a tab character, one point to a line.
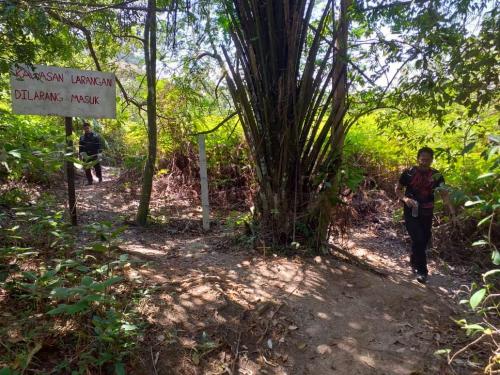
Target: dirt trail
220	307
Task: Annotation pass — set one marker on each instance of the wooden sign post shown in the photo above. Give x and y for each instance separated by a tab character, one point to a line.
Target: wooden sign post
50	90
70	171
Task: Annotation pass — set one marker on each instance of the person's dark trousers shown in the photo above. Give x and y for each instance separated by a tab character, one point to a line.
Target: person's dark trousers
97	168
419	229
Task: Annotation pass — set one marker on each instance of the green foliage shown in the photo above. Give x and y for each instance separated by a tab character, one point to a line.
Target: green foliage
370	142
82	286
28	35
440	55
236	219
485	304
484	301
30	148
14	197
460	146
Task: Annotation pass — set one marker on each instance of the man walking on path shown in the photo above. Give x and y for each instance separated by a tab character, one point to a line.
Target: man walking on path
90	148
419	183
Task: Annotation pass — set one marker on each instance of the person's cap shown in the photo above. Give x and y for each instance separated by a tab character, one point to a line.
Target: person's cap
85	123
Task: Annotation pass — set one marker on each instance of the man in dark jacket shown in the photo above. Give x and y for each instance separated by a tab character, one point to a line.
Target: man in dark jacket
419	183
90	148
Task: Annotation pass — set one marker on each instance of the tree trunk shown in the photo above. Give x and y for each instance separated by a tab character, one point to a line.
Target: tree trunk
328	199
150	60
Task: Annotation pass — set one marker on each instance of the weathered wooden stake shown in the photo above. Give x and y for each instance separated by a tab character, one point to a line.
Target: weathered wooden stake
204	183
70	171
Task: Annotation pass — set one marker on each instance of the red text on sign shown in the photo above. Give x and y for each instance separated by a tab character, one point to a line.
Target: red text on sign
41	76
38	95
85	99
91	81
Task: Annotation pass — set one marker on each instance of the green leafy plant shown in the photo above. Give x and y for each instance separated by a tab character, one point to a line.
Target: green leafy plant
81	285
484	301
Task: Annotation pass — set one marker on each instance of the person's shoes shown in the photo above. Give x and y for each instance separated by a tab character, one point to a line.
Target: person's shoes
421	278
89	183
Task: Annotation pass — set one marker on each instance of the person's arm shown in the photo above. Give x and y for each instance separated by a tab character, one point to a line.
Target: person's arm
399	190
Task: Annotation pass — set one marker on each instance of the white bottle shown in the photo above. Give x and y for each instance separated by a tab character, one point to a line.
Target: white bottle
414	210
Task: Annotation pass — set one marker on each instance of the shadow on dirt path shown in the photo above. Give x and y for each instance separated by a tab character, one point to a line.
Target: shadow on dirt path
221	307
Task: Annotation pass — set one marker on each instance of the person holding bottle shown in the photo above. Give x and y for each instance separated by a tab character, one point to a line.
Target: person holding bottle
419	183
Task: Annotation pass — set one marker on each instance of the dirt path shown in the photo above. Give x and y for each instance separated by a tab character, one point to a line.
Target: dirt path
220	307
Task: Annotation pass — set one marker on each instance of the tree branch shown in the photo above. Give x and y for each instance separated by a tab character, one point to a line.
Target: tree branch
357	68
393	5
217	127
467	347
90	46
96	7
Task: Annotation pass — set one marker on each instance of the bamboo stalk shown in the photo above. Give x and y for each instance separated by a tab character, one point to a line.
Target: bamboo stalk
291	114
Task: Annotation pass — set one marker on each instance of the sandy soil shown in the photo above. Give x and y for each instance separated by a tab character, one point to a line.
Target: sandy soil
221	307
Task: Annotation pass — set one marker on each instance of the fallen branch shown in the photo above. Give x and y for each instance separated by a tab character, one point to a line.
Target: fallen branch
154	360
269	322
357	262
467	347
237	353
274	313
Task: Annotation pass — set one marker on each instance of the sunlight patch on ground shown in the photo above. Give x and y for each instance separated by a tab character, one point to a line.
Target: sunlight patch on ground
323	316
355	325
137	249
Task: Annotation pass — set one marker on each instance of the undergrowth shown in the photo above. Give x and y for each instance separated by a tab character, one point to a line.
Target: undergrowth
67	305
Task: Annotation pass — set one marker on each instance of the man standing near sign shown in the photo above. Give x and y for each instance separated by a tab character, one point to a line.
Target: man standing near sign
91	147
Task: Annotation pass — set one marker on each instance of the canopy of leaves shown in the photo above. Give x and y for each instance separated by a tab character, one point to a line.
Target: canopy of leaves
419	57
